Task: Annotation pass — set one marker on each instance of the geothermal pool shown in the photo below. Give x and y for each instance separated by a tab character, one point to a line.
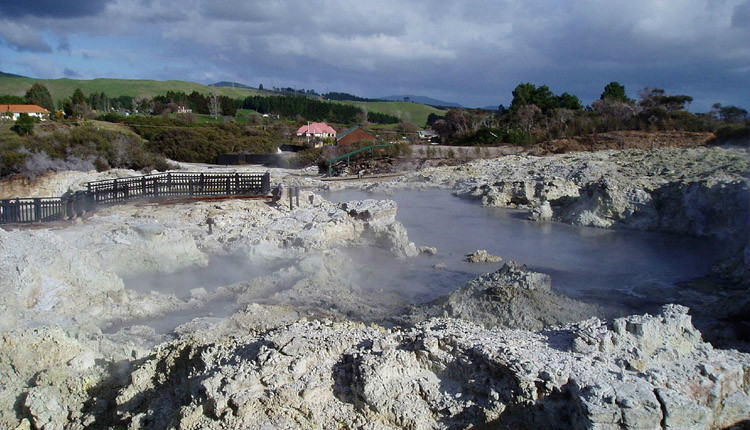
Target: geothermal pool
628	269
620	270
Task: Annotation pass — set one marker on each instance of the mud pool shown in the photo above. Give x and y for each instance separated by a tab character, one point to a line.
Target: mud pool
625	269
620	270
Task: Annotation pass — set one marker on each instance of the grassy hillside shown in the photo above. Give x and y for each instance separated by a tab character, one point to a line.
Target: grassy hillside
406	111
62	88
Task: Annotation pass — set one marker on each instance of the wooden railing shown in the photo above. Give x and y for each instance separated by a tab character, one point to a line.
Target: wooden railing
122	190
179	185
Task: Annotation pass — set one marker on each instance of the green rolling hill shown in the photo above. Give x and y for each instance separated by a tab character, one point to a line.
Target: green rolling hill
62	88
406	111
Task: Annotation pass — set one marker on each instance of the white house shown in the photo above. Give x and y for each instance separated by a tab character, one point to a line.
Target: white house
12	112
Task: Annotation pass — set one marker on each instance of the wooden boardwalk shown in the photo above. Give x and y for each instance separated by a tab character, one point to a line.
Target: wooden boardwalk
123	190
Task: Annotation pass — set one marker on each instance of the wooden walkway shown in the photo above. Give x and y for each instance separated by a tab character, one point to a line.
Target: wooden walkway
123	190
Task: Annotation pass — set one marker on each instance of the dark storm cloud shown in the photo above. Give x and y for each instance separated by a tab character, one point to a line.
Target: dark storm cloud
51	8
741	16
71	73
22	38
473	52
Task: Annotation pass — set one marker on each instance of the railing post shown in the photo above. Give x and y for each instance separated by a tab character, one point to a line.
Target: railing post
114	191
156	187
37	210
64	209
229	186
169	182
265	186
237	183
190	186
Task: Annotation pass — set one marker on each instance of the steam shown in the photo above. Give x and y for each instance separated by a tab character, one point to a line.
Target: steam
38	163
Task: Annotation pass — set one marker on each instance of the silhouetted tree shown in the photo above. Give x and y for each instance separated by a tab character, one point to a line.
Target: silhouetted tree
614	91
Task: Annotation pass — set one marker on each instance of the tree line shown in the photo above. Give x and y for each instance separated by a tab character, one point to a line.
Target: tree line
536	114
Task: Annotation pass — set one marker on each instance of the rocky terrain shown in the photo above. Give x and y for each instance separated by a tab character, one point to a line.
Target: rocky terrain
635	372
299	343
512	297
702	191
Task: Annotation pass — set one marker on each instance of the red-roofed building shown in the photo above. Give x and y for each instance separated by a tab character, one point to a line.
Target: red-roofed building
14	111
316	129
354	134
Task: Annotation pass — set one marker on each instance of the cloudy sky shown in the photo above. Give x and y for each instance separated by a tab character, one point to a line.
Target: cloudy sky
473	52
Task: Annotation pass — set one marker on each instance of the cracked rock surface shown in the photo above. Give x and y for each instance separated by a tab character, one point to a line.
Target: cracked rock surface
636	372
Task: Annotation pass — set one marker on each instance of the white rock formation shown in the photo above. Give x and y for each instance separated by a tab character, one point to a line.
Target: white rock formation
512	297
639	372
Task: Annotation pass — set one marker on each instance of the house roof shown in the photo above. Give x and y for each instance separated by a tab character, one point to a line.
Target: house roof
22	109
316	128
351	129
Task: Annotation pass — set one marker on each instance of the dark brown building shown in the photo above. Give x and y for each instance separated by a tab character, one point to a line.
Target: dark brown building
354	134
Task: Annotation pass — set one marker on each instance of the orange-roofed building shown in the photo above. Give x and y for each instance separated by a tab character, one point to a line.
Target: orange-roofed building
316	129
12	112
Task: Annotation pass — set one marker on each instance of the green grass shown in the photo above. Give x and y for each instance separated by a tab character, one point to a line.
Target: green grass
406	111
62	88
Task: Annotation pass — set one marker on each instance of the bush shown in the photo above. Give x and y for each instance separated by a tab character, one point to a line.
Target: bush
12	155
24	125
733	134
203	144
77	148
306	158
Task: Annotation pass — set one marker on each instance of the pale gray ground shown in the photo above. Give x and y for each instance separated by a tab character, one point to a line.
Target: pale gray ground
297	349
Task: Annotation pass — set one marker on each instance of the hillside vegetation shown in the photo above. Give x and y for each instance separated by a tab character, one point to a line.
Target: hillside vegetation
405	111
63	88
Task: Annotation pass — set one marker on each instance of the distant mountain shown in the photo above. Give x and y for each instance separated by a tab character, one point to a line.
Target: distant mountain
232	84
10	75
429	101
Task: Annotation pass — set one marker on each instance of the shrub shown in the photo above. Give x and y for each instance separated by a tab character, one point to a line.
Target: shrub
306	158
24	125
735	134
77	148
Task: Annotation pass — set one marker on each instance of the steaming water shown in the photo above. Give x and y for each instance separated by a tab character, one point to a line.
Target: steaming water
627	270
636	270
221	270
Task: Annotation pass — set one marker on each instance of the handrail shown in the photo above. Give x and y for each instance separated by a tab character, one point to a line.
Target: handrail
122	190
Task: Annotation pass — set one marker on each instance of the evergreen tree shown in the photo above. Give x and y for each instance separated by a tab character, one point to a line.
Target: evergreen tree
615	92
78	97
39	95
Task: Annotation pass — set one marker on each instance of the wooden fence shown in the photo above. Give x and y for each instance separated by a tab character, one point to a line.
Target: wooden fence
163	185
